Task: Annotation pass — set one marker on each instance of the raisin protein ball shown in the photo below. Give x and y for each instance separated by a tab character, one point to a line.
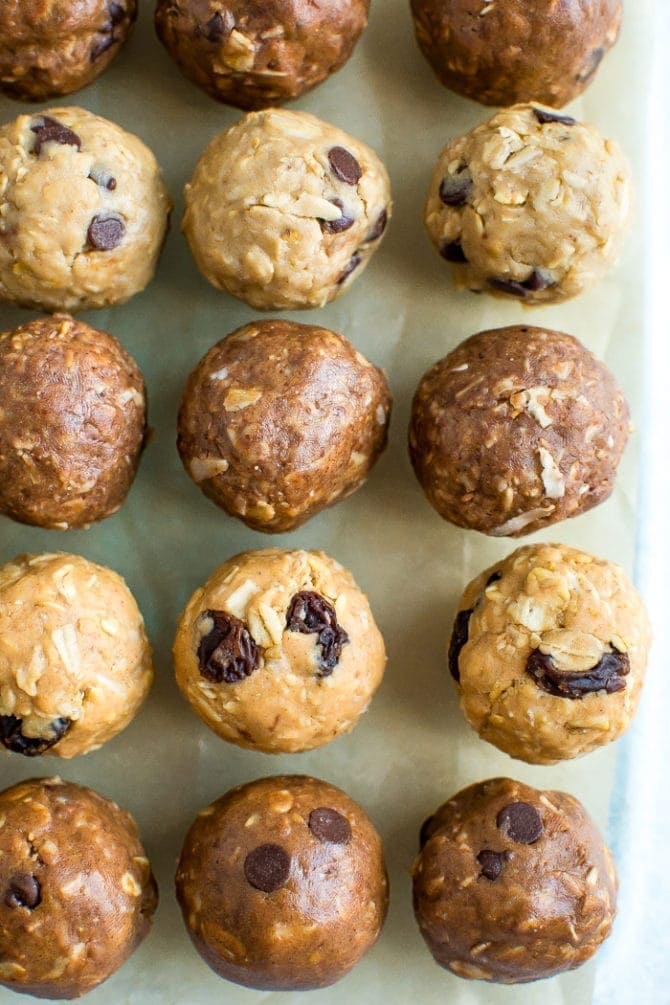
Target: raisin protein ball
517	428
53	47
513	884
282	884
72	423
531	205
75	664
549	649
84	211
253	55
279	651
280	420
540	51
284	211
76	891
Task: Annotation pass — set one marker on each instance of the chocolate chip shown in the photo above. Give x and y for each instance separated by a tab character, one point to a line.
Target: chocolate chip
267	867
520	822
537	280
459	636
427	831
219	26
609	675
117	13
492	863
330	826
544	116
453	251
456	188
344	165
310	613
102	178
48	130
228	653
591	65
342	223
13	739
508	286
106	232
102	45
379	227
354	262
494	578
24	891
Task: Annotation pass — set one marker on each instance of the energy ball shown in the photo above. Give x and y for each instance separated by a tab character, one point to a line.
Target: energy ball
280	420
84	211
541	51
284	211
76	891
279	651
531	205
516	429
253	55
513	884
282	884
72	423
549	649
75	664
53	47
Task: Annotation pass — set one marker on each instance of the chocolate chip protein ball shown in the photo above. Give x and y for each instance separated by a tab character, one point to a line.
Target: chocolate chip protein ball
284	211
280	420
516	429
253	55
531	205
76	891
53	47
513	884
282	884
549	649
542	51
279	651
84	211
75	664
72	423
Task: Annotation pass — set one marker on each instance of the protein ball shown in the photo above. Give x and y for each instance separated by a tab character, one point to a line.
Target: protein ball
513	884
72	423
282	884
253	55
85	211
549	649
280	420
516	429
279	651
531	205
75	664
542	51
284	211
76	891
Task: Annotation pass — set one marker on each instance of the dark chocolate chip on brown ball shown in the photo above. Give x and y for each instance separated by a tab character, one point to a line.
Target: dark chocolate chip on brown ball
24	891
329	826
344	165
227	653
492	863
267	867
520	822
219	26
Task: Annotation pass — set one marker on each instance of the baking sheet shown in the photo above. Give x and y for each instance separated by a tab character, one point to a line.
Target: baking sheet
413	749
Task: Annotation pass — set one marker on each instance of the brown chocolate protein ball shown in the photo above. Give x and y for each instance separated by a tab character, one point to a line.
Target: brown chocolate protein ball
516	429
76	891
513	884
503	53
282	884
252	54
72	423
280	420
53	47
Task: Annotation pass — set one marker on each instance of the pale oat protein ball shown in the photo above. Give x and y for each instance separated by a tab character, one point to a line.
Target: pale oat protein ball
513	884
279	651
549	649
530	204
76	891
84	211
75	663
282	884
284	211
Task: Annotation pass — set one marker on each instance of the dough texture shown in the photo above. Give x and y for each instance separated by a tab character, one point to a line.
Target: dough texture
284	211
279	651
530	205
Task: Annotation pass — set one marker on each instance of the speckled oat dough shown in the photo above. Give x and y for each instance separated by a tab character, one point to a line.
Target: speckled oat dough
76	891
531	205
549	649
72	423
84	211
284	211
516	429
53	47
75	664
280	420
279	651
282	884
513	884
253	55
502	53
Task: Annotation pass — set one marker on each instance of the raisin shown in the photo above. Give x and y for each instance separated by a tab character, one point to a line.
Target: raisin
459	637
13	739
452	251
608	675
228	653
311	614
24	891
